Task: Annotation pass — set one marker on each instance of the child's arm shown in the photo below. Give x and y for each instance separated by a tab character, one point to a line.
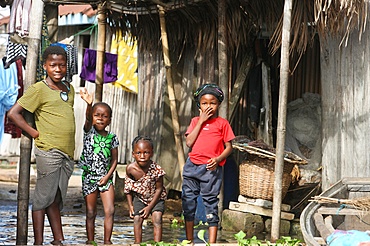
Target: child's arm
129	195
130	204
213	162
15	114
144	213
193	135
113	167
88	99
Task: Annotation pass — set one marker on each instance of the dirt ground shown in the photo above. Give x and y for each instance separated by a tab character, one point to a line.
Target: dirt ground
173	209
75	203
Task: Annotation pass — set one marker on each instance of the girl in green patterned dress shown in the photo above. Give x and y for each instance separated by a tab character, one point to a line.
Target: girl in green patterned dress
98	161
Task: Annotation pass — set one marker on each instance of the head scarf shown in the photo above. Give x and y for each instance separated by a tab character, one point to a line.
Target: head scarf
212	89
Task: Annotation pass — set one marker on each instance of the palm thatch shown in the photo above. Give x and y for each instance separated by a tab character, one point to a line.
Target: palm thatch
194	22
361	203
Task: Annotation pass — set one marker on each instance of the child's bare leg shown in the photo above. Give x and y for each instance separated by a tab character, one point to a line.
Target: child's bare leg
189	229
91	212
157	223
138	222
55	221
38	218
212	230
108	203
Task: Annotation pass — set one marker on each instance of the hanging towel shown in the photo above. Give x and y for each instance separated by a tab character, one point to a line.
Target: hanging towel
88	70
19	17
8	92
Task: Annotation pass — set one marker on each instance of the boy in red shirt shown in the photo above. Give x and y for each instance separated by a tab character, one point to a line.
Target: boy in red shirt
209	138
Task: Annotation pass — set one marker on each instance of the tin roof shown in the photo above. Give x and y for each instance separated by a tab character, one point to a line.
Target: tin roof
84	9
77	14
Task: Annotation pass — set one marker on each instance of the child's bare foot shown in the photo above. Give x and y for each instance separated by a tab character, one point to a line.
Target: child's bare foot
56	242
91	242
108	242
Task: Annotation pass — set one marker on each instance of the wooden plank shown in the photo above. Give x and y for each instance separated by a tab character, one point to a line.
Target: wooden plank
338	211
265	126
331	101
356	180
358	188
320	225
261	203
248	208
239	84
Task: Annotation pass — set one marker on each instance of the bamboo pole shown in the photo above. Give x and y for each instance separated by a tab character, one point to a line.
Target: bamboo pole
33	43
171	91
100	52
223	79
281	128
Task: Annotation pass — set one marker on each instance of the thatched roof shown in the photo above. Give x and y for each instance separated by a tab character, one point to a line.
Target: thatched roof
194	22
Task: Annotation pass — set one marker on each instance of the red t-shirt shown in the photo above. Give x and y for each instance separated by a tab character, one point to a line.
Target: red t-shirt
211	139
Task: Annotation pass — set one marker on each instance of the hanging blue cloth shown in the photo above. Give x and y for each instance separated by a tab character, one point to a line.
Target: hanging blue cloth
347	238
8	92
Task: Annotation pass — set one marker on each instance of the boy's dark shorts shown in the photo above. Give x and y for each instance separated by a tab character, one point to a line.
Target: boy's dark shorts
139	205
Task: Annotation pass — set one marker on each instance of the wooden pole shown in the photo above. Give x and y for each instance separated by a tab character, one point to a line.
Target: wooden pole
100	55
223	79
280	142
33	43
171	91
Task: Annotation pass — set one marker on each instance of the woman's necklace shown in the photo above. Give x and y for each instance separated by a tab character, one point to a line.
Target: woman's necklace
63	94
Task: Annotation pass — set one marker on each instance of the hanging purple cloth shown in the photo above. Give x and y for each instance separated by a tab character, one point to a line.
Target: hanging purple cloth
88	70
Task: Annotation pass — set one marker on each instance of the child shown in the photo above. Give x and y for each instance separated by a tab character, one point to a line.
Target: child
98	161
144	188
51	101
209	138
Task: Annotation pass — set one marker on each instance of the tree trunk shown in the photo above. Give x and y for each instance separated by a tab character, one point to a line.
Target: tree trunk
33	43
171	92
280	143
100	53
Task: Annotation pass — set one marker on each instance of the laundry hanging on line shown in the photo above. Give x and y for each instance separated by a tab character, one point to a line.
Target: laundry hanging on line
14	51
88	70
8	91
9	126
19	22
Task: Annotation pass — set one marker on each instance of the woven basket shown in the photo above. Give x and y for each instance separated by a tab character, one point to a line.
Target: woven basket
256	174
256	178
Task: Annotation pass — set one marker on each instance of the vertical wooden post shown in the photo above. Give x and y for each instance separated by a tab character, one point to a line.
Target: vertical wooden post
100	53
171	91
34	39
51	12
223	78
280	143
